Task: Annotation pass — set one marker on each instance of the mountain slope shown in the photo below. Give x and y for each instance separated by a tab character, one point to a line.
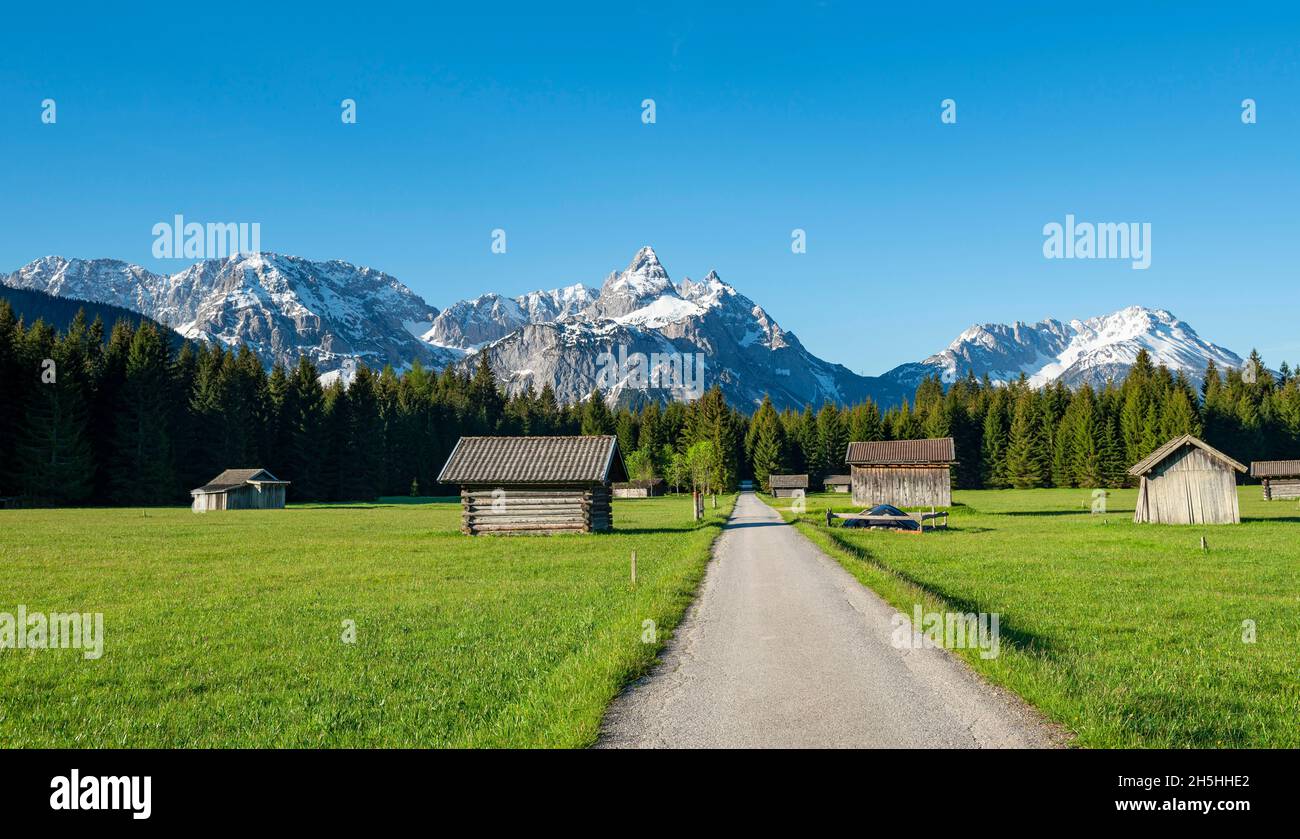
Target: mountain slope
639	311
59	312
1082	351
340	315
282	307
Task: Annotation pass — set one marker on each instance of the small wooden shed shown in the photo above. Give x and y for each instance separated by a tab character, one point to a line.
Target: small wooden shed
639	489
538	485
784	486
1281	478
904	473
838	483
240	489
1187	481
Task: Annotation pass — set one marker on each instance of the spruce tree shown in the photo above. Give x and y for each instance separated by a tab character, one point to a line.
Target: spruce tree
1026	464
143	471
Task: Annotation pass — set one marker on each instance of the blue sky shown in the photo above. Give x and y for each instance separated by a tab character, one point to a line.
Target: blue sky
820	116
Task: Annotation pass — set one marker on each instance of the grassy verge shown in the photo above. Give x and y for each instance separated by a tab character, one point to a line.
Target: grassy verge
1129	635
227	629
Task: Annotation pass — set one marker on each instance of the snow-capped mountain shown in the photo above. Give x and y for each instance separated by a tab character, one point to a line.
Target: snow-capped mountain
282	307
639	311
1082	351
340	315
469	324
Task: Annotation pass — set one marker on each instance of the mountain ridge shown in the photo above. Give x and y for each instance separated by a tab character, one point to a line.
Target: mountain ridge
339	315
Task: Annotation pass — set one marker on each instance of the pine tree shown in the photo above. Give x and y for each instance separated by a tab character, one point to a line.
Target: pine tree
143	473
53	450
596	418
770	445
995	441
1024	450
832	438
361	460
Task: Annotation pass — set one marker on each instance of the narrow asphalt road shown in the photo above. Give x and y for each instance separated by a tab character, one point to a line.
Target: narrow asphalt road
783	648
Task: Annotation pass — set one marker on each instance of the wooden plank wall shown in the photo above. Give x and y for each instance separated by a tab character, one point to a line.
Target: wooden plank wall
1279	488
537	510
1190	487
207	502
902	486
250	498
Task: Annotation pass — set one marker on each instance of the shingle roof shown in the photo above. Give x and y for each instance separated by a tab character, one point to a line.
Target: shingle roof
787	481
1275	469
838	480
534	460
1158	456
235	478
901	452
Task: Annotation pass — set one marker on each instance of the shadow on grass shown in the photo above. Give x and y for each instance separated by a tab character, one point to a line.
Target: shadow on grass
1079	513
1019	639
659	531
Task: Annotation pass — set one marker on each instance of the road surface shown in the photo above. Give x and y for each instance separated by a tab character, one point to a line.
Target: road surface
783	648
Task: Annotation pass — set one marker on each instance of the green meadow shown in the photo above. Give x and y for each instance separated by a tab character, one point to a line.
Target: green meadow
1128	635
230	629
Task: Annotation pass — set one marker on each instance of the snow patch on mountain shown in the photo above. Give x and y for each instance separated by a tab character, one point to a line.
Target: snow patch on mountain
1083	351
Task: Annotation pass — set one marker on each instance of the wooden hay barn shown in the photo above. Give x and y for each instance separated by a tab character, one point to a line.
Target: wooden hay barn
784	486
1281	478
838	483
639	489
240	489
904	473
538	485
1186	481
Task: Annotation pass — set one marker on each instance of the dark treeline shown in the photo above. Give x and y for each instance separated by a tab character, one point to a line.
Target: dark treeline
132	419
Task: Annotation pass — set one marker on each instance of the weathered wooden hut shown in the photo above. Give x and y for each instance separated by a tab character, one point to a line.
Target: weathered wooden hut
240	489
1281	478
1186	481
784	486
639	489
537	485
838	483
904	473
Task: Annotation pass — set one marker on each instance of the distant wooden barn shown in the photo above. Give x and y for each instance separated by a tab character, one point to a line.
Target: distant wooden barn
1186	481
639	489
1281	478
784	486
837	483
538	485
904	473
240	489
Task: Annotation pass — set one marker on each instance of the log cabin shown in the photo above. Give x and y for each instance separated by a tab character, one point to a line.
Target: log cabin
240	489
535	485
1186	481
902	473
837	483
784	486
1281	478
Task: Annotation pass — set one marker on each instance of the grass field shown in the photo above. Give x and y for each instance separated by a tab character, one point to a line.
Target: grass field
226	629
1127	634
